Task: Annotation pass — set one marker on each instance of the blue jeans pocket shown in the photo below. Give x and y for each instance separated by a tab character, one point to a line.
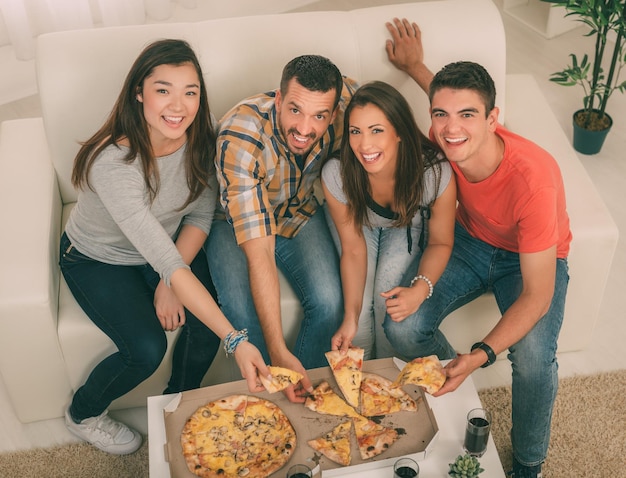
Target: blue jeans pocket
69	255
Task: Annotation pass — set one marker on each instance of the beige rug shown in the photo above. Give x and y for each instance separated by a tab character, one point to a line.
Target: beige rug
588	438
588	427
74	461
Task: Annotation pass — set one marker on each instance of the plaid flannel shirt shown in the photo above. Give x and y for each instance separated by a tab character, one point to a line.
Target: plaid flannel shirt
262	189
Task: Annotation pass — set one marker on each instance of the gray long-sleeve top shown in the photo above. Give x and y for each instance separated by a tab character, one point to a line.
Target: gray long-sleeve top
115	223
331	175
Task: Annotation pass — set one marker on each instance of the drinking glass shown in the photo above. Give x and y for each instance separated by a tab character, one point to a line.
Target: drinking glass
299	471
406	468
477	432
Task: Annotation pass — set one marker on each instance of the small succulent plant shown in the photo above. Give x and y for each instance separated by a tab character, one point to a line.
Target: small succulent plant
465	466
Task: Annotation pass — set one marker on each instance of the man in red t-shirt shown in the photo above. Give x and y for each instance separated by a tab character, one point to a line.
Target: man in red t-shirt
512	237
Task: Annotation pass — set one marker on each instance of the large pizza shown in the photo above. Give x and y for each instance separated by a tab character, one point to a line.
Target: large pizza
237	436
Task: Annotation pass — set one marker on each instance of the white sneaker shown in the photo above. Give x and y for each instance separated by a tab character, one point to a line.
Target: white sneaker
105	433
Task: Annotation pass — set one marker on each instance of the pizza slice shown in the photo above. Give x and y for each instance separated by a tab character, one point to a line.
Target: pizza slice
378	397
426	372
281	379
325	401
335	445
346	369
372	438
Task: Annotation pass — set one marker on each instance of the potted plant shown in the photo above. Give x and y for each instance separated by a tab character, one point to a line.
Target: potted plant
465	466
607	21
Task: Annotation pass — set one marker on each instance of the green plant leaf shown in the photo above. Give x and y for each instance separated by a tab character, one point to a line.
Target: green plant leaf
602	18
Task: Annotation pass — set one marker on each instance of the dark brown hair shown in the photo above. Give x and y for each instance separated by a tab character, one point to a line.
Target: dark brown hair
126	120
465	75
415	154
315	73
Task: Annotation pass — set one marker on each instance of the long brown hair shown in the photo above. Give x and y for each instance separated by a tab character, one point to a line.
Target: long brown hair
416	153
126	120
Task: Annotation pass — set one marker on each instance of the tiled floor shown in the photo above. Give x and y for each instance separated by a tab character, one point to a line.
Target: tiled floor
528	52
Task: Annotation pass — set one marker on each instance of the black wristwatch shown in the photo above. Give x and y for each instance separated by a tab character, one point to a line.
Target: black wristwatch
491	356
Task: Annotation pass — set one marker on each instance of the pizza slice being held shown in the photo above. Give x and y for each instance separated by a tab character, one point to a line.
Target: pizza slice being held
335	445
372	438
281	379
346	369
426	372
378	397
325	401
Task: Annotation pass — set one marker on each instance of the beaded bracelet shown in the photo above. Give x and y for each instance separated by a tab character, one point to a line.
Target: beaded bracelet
233	339
425	279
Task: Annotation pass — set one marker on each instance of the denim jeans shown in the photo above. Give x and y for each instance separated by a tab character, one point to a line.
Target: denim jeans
389	264
310	264
474	268
119	300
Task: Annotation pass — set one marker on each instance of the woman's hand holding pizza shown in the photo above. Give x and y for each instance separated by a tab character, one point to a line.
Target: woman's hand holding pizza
251	365
342	340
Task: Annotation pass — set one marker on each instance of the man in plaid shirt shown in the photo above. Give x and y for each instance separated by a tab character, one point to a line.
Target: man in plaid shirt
270	150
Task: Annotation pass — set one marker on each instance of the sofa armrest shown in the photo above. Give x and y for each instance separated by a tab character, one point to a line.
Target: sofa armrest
595	234
31	362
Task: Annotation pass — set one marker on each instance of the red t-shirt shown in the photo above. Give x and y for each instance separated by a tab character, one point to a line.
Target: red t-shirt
521	206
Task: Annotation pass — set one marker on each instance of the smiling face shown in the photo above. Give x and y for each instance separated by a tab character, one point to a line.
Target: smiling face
171	98
304	116
373	140
464	131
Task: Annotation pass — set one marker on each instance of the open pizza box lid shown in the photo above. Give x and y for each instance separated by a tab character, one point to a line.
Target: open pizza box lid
417	430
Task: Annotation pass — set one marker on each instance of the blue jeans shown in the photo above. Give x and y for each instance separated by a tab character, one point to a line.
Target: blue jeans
474	268
389	264
119	300
310	264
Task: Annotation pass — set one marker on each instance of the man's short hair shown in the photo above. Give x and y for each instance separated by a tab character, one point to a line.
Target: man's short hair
313	72
465	75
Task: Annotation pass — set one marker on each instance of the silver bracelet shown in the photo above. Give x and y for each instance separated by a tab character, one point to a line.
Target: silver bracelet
233	339
425	279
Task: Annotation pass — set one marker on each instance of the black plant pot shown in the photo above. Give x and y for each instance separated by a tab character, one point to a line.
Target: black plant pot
589	141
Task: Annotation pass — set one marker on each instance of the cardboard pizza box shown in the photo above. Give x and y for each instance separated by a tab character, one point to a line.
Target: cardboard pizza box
417	431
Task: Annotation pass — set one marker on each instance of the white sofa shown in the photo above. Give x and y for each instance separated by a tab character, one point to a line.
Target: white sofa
48	346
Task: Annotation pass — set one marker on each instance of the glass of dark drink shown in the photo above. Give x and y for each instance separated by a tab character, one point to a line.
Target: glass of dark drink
477	432
406	468
299	471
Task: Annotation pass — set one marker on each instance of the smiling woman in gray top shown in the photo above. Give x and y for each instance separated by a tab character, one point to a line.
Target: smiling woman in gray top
131	251
390	201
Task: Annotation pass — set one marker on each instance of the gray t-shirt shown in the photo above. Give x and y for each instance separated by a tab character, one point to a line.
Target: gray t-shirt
331	175
115	223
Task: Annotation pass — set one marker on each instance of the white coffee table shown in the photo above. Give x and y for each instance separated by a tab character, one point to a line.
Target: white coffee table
450	411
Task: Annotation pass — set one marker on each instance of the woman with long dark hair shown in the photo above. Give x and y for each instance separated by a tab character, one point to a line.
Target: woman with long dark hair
132	252
391	200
